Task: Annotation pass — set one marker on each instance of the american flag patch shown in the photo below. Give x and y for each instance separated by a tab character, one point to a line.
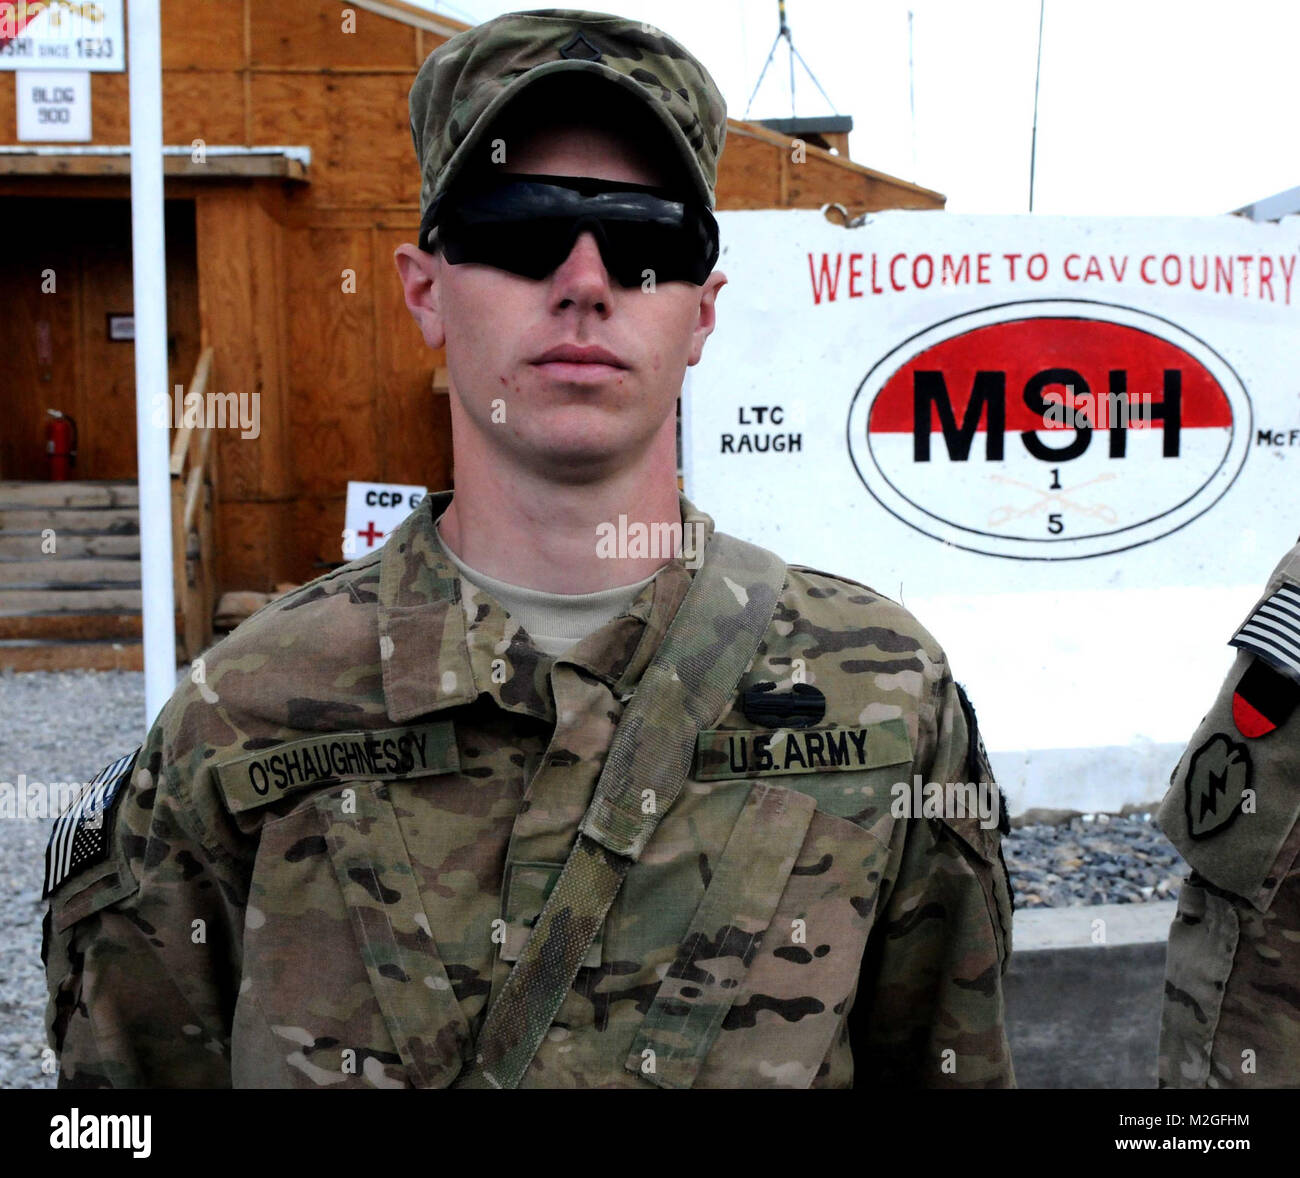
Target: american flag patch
1273	631
80	835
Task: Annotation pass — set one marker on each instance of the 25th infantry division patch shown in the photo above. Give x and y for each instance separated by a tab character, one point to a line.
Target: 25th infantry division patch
80	837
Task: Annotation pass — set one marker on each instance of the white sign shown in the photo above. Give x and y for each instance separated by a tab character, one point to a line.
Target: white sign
62	35
373	511
53	106
1071	446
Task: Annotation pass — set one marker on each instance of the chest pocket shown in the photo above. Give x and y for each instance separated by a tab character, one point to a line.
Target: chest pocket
759	986
382	1015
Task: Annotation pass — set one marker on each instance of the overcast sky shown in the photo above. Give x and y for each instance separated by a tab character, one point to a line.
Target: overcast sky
1146	106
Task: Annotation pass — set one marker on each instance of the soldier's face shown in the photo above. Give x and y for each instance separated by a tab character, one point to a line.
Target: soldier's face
565	420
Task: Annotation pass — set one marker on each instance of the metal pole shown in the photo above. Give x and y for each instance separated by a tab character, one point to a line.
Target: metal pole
911	87
1033	142
149	274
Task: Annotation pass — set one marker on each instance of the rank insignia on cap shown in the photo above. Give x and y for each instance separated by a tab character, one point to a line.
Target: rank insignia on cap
579	48
1217	780
1272	632
1263	700
80	837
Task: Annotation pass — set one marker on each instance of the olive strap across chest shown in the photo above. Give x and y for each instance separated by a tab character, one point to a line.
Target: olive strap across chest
712	640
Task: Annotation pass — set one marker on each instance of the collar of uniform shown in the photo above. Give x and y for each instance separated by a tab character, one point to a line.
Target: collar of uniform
620	651
442	638
422	644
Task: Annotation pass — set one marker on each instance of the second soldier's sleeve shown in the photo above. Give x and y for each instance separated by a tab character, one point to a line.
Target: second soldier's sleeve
141	940
929	1012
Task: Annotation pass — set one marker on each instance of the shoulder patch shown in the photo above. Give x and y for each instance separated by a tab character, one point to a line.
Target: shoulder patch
977	756
80	837
1272	632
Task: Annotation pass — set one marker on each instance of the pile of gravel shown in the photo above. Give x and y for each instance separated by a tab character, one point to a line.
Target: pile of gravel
67	725
1092	859
62	726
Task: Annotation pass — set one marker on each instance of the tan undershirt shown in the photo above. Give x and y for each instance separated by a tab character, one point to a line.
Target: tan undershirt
554	621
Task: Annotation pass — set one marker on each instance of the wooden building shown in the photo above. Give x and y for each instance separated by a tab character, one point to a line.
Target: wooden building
290	180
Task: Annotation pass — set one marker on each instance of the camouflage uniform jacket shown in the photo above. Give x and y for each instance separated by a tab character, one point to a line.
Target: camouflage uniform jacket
331	848
1231	1014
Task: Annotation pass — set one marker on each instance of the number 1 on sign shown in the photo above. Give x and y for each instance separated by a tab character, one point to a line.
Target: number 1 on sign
1056	479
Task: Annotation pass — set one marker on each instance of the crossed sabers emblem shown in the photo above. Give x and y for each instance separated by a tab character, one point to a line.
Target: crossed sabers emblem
1048	499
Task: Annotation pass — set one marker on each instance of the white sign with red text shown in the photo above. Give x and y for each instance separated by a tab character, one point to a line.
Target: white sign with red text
1070	445
62	35
373	511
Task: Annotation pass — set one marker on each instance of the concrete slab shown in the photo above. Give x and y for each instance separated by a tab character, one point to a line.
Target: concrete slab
1084	993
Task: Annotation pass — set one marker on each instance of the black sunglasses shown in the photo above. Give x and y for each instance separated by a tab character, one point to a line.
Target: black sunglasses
528	224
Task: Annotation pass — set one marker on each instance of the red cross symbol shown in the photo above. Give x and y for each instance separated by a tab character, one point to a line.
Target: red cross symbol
370	534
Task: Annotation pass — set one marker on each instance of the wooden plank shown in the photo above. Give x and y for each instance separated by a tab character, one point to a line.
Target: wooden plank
316	536
28	545
72	627
307	33
213	167
202	37
68	601
241	299
331	385
87	493
250	545
106	421
67	520
358	161
70	656
55	571
748	175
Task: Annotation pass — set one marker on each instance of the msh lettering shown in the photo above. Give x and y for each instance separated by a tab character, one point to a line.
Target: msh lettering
730	753
251	781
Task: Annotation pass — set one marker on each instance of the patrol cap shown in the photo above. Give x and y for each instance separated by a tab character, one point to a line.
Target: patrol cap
469	80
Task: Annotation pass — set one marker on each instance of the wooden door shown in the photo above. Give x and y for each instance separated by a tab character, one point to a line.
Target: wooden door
66	269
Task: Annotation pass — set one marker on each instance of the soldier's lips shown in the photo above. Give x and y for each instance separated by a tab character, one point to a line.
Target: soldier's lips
572	372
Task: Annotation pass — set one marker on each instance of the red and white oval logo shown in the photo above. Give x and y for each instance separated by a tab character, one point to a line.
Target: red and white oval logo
1050	430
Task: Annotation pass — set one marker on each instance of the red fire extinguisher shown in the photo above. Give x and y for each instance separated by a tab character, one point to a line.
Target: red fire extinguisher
60	444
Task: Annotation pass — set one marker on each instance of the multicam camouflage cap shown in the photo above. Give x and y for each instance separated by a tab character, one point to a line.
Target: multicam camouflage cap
468	81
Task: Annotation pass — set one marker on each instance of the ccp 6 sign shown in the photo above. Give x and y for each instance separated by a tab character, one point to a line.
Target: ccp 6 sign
1050	430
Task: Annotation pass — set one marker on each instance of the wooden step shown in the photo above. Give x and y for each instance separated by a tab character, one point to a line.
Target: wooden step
71	656
70	601
55	572
105	493
97	520
29	546
72	627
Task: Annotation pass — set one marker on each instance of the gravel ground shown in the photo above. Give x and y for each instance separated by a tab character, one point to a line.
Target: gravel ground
62	726
66	726
1092	859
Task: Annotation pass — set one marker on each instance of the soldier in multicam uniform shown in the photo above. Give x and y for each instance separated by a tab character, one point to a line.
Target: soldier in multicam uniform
1231	1016
383	842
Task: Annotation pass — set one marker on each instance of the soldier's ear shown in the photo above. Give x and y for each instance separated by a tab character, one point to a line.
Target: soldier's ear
707	318
419	273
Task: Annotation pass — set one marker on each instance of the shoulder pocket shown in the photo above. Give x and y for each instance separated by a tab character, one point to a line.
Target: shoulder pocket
87	894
